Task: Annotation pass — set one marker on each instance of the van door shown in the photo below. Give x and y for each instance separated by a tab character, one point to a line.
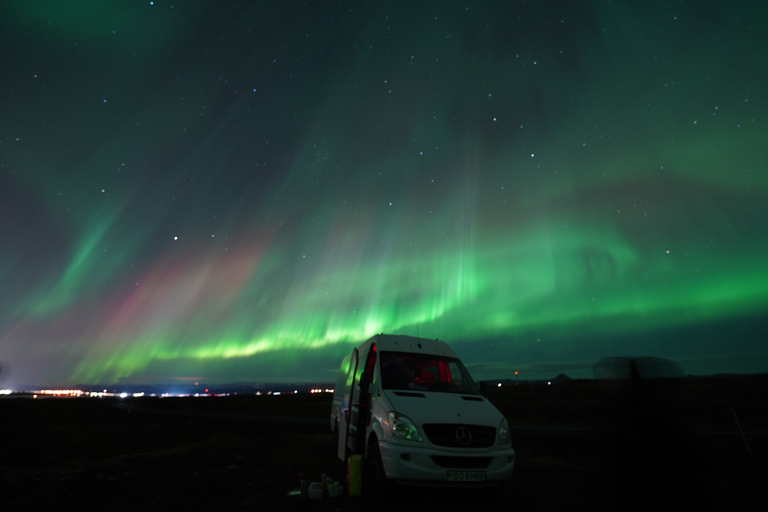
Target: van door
360	402
342	443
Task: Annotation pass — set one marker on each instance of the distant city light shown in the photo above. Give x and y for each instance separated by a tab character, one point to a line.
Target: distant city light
74	393
61	392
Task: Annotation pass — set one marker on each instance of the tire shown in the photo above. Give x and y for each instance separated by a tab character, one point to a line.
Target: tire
498	491
376	484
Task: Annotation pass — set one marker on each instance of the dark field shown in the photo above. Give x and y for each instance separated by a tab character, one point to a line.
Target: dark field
581	445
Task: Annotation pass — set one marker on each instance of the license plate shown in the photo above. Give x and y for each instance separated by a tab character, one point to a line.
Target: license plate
466	476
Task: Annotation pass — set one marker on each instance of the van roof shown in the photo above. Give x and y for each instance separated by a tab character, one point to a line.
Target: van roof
402	343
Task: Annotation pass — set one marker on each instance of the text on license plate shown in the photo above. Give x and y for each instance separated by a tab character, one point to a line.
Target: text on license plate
466	476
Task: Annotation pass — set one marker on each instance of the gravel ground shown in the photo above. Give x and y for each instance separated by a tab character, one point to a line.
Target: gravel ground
250	452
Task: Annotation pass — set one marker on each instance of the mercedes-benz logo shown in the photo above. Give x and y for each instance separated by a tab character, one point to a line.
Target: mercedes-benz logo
463	436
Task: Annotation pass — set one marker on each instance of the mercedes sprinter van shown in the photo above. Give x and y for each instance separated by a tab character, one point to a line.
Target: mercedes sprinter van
409	406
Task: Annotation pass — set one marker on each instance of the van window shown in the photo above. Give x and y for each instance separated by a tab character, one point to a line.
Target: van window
341	379
424	372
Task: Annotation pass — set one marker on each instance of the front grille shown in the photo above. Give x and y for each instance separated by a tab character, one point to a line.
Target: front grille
454	435
461	462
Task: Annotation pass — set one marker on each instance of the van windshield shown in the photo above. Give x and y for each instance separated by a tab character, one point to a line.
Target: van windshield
424	372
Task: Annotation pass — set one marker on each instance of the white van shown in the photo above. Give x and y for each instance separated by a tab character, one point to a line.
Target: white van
411	409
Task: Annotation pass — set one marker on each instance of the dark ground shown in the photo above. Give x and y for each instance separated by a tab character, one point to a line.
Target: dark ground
581	445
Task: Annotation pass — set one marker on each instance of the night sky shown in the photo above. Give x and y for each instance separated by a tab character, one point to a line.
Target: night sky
242	191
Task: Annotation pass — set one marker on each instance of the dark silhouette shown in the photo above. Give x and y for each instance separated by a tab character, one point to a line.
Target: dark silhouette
655	462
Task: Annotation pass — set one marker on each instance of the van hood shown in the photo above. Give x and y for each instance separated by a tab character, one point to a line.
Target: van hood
432	407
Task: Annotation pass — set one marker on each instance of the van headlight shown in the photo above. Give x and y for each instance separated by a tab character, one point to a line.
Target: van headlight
504	436
403	427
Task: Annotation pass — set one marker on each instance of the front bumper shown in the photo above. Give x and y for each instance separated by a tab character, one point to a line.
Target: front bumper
429	465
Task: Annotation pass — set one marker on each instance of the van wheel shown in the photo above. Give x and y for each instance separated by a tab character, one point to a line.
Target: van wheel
376	482
497	491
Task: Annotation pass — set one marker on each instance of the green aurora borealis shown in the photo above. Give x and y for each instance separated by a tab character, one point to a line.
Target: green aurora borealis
241	191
